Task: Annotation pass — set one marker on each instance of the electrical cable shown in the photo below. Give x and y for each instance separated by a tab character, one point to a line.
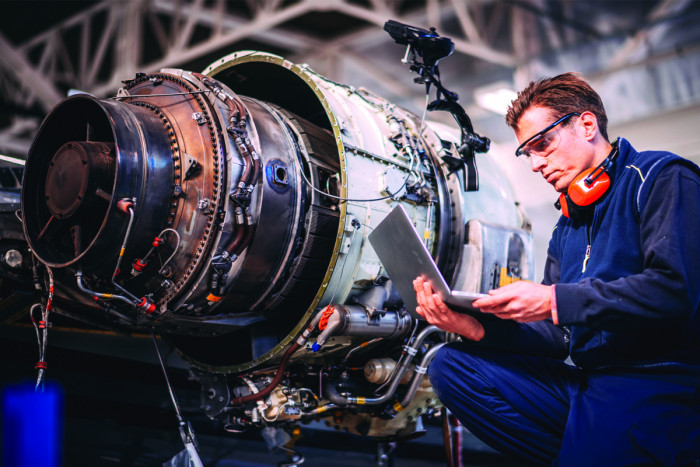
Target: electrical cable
42	333
391	195
340	198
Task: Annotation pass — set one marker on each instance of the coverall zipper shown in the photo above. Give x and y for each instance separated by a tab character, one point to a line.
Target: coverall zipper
588	248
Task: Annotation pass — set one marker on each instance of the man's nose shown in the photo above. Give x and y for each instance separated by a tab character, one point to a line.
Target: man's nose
537	162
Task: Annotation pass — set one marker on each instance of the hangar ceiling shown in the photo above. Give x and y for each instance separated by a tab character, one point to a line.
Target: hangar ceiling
644	56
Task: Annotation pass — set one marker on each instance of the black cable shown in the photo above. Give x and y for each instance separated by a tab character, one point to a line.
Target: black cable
391	195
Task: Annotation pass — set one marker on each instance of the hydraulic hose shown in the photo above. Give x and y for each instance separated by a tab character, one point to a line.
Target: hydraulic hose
240	232
273	384
283	364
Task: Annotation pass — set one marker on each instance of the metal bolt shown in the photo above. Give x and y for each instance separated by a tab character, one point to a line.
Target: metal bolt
199	118
203	204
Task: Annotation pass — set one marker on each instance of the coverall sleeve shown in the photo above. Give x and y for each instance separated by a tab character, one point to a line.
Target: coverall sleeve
667	291
551	268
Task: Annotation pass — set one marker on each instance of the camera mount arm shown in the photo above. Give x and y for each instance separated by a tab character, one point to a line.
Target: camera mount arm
425	48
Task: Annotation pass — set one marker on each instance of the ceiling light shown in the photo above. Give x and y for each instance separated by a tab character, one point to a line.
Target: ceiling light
12	160
495	97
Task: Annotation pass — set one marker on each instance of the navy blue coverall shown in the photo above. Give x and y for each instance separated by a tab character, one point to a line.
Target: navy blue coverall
632	396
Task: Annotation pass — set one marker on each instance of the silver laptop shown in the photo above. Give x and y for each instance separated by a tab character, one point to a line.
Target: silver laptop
404	256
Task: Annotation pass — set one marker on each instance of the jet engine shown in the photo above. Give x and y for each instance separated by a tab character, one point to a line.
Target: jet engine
228	211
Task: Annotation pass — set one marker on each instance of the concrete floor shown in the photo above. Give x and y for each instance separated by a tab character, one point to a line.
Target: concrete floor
117	412
105	443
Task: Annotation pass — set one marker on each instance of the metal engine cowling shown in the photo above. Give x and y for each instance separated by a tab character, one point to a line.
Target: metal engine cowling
223	209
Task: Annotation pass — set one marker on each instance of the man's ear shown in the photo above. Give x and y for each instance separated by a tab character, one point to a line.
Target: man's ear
589	124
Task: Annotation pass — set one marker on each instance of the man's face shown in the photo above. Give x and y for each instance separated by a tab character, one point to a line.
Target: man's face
561	154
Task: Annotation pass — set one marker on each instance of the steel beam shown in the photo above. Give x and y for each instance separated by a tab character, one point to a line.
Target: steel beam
16	63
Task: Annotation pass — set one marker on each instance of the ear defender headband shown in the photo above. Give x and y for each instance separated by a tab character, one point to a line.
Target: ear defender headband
589	187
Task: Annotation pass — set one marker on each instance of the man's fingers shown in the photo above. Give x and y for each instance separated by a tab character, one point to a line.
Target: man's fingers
492	301
425	297
417	283
419	296
428	294
437	302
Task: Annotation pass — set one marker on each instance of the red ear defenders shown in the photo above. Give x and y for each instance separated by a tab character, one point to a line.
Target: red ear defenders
589	187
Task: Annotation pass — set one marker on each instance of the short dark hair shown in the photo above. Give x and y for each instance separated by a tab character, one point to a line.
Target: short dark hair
562	94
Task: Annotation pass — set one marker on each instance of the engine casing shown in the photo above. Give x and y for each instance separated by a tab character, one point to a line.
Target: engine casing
224	209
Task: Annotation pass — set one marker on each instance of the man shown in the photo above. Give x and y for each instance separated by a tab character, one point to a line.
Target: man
622	274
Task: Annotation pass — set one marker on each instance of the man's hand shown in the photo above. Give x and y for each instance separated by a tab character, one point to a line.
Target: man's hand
434	311
520	301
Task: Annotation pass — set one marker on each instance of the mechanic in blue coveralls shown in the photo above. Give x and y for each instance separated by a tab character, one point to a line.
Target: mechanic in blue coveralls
620	295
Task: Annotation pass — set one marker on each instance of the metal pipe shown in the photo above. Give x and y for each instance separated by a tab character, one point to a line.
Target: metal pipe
420	372
79	279
177	245
186	432
404	362
364	344
456	436
321	409
403	366
356	321
129	208
154	246
333	324
446	436
248	160
353	320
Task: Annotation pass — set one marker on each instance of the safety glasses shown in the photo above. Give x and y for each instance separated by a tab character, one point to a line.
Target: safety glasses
542	143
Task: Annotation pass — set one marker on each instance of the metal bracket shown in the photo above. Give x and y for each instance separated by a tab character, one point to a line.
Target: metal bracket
191	165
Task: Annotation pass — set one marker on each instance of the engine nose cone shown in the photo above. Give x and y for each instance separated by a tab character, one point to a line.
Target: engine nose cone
67	180
76	167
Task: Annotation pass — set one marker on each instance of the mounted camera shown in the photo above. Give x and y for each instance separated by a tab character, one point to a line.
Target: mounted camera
426	43
425	48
